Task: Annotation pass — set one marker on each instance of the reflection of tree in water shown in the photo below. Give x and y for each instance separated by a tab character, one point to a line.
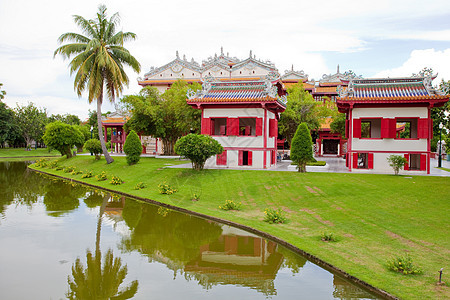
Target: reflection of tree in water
97	281
100	282
62	197
93	199
173	238
19	184
344	290
292	260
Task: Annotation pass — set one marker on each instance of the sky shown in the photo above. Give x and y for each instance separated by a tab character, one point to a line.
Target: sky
382	38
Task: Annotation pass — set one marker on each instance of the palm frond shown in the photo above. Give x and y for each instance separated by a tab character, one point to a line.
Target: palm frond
73	37
68	50
85	25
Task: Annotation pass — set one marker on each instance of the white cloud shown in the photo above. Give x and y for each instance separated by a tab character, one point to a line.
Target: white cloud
439	61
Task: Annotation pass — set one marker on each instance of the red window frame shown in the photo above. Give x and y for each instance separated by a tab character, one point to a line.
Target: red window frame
221	159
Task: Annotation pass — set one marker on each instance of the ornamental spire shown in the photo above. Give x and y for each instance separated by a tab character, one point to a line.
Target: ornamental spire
177	54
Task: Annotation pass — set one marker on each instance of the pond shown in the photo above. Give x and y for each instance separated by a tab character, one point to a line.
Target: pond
64	240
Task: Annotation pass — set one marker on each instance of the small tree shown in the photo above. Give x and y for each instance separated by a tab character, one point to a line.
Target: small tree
198	148
132	148
397	162
94	146
301	147
62	137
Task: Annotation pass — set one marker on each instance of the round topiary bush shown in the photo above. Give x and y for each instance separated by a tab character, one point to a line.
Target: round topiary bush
94	146
132	148
198	148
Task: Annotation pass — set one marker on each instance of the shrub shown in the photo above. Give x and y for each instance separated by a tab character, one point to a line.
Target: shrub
404	265
69	169
301	147
53	164
140	186
198	148
230	205
41	163
75	172
62	137
328	237
115	180
166	189
132	148
58	168
397	162
273	216
87	174
94	146
195	197
102	176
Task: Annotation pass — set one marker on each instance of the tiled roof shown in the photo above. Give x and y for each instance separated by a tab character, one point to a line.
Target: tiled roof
238	92
330	83
325	90
391	89
306	86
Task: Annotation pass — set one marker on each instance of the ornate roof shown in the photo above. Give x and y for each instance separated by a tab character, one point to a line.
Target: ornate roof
337	78
291	75
252	91
176	65
391	90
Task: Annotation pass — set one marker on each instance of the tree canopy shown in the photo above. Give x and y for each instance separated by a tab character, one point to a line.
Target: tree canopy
198	148
31	122
301	107
62	137
99	60
165	116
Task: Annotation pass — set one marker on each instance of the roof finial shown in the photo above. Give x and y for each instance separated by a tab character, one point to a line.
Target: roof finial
221	50
292	68
177	54
338	69
251	54
184	56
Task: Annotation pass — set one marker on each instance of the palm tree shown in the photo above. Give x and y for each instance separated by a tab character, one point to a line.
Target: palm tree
99	57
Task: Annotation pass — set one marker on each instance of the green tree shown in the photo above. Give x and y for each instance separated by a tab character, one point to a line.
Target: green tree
8	128
165	116
67	118
301	147
301	107
397	162
94	146
99	60
198	148
62	137
31	122
132	148
2	93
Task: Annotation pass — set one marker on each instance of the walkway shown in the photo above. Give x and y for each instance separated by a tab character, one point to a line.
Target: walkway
334	165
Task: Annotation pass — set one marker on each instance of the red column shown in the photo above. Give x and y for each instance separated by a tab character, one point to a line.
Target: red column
350	136
265	138
430	134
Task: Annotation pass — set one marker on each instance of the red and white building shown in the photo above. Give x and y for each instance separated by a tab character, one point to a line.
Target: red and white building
243	117
389	116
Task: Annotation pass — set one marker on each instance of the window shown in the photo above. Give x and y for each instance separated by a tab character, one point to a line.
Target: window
417	162
219	126
362	160
245	158
370	128
247	126
406	129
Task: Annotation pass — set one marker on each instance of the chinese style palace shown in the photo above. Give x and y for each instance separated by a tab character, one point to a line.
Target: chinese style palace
389	116
242	115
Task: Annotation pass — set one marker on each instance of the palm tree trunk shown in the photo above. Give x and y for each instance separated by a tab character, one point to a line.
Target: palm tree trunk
99	224
108	157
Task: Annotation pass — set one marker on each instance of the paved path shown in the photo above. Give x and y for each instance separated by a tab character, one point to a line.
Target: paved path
334	165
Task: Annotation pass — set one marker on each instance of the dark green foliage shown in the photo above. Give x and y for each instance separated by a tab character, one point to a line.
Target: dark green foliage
8	128
301	147
404	265
62	137
132	148
94	146
30	121
338	124
198	148
165	116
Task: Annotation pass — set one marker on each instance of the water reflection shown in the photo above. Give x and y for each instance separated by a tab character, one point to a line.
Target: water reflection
196	253
100	282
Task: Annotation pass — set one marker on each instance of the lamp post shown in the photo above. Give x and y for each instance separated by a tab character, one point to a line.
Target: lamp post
440	145
92	128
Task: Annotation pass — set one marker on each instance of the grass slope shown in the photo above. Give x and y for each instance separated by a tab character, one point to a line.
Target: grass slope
375	217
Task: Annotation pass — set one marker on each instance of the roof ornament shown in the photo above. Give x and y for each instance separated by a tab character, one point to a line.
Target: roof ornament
292	68
178	56
221	50
251	54
272	76
184	57
337	69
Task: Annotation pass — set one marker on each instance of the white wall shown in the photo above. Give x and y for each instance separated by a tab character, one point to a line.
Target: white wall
390	112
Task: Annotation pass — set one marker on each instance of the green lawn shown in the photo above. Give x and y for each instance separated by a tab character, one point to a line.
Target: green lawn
445	169
375	217
21	152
